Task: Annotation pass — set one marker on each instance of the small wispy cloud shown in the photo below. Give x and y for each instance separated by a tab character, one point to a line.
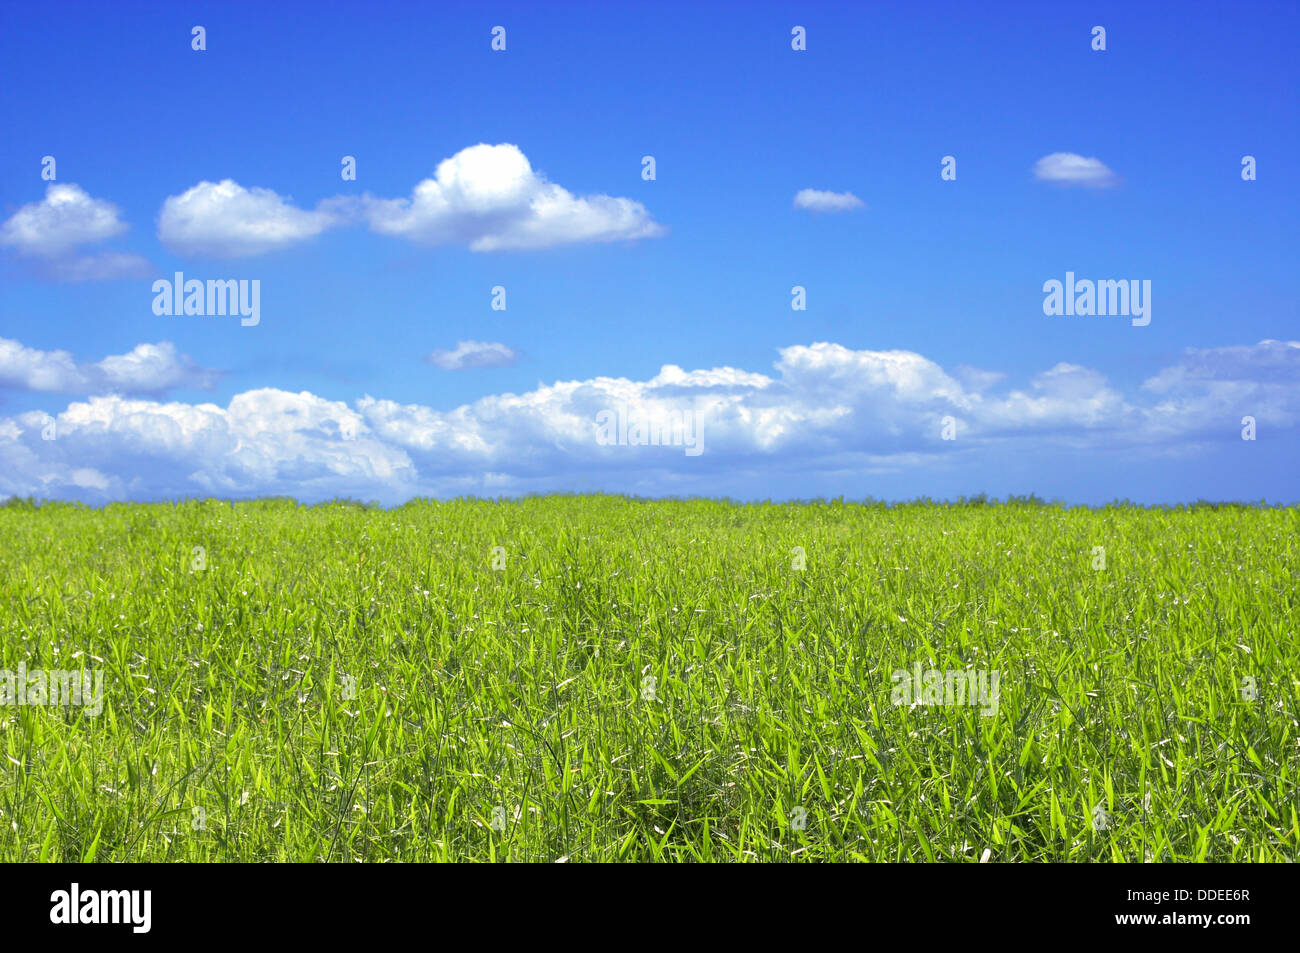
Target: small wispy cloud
1069	168
101	266
474	354
818	200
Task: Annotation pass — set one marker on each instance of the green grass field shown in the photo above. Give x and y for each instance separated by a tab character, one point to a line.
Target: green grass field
650	681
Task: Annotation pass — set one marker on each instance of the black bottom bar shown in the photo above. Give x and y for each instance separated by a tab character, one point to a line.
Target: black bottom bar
1221	903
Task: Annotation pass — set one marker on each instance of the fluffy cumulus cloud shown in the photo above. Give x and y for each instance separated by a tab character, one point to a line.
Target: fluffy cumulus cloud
51	231
1069	168
225	220
816	200
490	198
146	369
473	354
826	409
67	217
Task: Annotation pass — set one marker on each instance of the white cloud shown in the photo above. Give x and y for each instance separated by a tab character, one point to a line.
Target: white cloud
1268	361
146	369
49	232
66	218
826	411
152	368
264	441
225	220
1211	384
474	354
1068	168
491	199
32	369
816	200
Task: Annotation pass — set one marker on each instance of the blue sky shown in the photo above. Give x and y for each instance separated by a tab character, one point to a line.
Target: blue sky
924	302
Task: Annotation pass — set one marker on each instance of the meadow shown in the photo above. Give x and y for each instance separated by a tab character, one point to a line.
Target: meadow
596	678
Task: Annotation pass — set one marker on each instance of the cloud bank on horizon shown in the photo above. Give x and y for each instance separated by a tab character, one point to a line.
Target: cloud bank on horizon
827	410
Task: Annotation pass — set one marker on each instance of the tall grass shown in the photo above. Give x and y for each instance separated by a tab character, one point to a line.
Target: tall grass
650	681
